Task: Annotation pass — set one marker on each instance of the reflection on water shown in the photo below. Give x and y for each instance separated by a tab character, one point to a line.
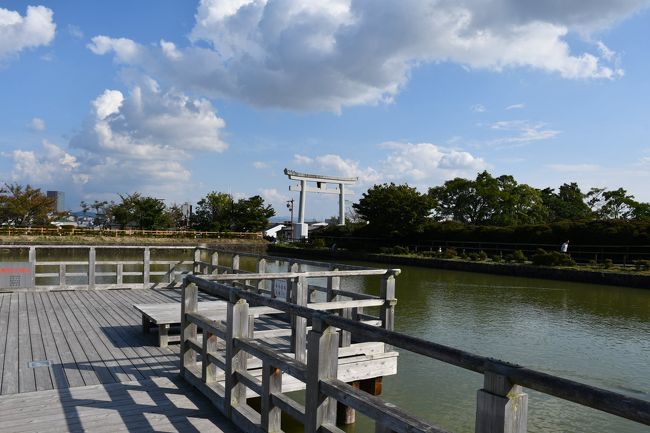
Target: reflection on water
598	335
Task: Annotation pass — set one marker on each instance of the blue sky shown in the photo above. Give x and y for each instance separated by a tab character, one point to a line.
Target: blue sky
177	98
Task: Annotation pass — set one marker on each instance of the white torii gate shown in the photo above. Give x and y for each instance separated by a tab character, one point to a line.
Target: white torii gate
300	228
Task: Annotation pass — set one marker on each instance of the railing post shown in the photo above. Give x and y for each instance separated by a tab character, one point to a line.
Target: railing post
261	269
501	406
214	262
62	281
299	295
196	269
235	263
322	363
333	284
189	304
118	273
146	267
271	384
32	263
92	256
208	370
237	327
387	292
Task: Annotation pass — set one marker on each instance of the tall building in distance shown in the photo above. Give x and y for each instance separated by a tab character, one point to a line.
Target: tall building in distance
59	200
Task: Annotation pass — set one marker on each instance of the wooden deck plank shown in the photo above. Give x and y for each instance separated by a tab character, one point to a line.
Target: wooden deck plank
4	319
41	374
118	354
109	370
116	312
26	377
148	405
57	372
10	371
77	373
142	361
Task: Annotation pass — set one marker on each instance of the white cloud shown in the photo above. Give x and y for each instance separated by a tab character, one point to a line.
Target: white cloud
574	168
125	49
261	165
516	107
75	31
274	197
302	54
478	108
37	124
18	32
138	141
420	162
45	166
526	132
302	159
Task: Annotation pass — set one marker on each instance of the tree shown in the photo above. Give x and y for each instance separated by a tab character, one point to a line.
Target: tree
394	209
214	212
146	213
24	206
251	215
615	204
567	204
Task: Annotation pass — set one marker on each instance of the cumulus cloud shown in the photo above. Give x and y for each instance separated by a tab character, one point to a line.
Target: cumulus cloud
18	32
45	166
135	141
420	164
301	54
37	124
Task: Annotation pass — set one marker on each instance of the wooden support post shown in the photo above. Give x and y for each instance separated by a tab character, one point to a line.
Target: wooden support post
237	327
118	273
271	384
501	406
32	263
190	304
261	268
322	363
299	324
345	415
163	335
92	257
235	263
208	370
146	268
387	311
196	269
62	281
333	284
214	263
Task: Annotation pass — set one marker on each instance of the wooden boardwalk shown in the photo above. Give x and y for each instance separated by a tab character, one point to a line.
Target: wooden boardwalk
102	366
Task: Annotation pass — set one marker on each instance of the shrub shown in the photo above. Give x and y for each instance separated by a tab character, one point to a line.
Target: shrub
518	256
482	255
608	263
497	258
553	258
642	265
593	263
450	253
318	243
473	256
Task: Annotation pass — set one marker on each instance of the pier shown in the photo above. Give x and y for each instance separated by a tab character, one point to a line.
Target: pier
74	355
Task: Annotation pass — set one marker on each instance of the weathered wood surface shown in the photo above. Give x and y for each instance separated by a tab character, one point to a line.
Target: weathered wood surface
106	376
158	404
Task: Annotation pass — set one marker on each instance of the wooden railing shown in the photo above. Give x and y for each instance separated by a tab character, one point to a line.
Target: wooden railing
79	231
502	406
92	271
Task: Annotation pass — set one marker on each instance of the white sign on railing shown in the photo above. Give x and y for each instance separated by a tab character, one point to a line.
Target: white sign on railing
15	275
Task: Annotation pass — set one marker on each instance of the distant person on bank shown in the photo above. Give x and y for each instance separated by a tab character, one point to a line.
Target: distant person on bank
565	247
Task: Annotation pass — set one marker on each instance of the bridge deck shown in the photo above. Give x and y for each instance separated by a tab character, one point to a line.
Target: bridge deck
102	366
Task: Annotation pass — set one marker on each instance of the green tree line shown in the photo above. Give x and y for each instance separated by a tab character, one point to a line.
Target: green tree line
25	206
